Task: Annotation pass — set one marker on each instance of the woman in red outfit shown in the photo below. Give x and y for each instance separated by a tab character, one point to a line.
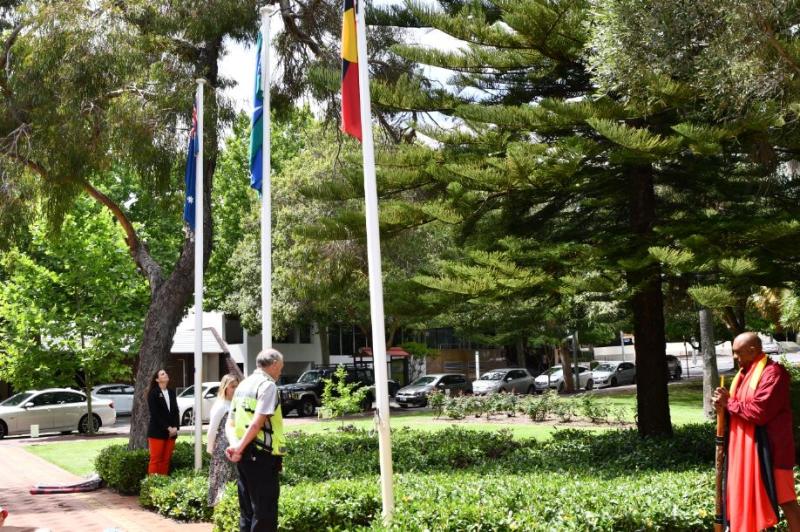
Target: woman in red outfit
162	430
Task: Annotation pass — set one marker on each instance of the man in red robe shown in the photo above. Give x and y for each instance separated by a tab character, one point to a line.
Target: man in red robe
760	453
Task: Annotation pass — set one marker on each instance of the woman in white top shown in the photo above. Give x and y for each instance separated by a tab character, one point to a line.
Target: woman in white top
220	471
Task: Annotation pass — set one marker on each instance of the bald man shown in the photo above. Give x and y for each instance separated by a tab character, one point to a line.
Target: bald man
760	454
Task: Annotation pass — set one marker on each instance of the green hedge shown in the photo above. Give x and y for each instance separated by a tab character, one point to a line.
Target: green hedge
469	501
124	470
182	496
351	455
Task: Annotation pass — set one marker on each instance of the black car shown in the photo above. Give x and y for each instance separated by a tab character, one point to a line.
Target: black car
305	395
674	369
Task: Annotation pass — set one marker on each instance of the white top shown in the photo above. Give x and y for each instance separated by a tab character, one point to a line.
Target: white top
218	411
165	393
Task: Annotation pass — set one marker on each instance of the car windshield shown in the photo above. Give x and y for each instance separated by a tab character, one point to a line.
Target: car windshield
310	377
188	392
423	381
493	376
553	370
605	367
16	400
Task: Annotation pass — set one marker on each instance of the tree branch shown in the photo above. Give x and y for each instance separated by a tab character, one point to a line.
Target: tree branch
139	252
776	44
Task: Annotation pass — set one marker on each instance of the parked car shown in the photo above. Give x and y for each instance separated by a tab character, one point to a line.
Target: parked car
54	410
511	380
305	395
613	373
120	394
416	393
186	402
674	369
553	378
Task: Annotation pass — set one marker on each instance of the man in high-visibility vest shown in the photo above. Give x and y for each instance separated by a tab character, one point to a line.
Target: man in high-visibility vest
257	443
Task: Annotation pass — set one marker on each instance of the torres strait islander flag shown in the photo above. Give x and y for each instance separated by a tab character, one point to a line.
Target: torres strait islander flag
351	106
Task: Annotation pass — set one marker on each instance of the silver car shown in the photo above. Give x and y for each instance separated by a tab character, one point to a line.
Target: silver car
510	380
553	378
416	393
120	394
54	410
614	373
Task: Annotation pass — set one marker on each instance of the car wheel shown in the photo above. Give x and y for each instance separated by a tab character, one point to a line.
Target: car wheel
83	424
306	408
187	418
3	429
613	381
531	390
561	387
589	384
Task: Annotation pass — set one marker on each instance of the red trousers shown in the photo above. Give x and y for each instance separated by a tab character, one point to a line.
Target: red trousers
160	455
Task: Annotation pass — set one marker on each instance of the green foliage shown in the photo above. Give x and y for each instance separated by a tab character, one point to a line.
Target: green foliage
436	400
226	512
121	469
340	398
507	484
182	496
74	304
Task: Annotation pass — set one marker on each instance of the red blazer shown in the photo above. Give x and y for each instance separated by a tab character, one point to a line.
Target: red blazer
771	407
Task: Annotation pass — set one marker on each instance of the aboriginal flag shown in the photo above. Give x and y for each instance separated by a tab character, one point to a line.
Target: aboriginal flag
351	106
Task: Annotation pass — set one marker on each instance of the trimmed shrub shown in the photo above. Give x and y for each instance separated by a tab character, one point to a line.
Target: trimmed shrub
535	502
226	513
182	496
124	470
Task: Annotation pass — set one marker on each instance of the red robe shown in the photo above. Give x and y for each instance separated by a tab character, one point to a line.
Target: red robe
761	413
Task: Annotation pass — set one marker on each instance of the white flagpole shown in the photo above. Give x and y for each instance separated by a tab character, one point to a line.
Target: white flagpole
374	260
266	184
198	285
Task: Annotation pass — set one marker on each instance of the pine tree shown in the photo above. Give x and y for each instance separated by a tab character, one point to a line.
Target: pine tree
541	155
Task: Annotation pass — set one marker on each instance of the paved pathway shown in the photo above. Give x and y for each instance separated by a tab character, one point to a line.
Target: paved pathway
95	511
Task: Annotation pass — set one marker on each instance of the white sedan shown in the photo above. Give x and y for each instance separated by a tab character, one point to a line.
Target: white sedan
120	394
54	410
554	378
186	402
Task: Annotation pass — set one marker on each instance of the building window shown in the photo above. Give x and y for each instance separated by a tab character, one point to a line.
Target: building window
304	334
287	338
232	330
348	346
334	340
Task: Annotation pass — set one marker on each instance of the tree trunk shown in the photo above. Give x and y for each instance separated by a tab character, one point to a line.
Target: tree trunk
170	297
710	373
647	304
87	385
324	345
566	369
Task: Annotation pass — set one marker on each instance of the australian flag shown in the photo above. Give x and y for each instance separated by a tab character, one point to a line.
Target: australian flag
256	125
190	177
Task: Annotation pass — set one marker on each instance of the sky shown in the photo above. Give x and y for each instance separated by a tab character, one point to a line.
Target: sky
239	62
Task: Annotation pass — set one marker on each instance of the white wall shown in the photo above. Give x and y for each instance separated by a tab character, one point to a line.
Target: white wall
295	355
614	352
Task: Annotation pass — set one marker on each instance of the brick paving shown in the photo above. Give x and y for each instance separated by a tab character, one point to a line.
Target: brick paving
95	511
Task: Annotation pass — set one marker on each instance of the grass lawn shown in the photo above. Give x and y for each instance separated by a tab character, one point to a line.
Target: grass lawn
686	401
77	456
